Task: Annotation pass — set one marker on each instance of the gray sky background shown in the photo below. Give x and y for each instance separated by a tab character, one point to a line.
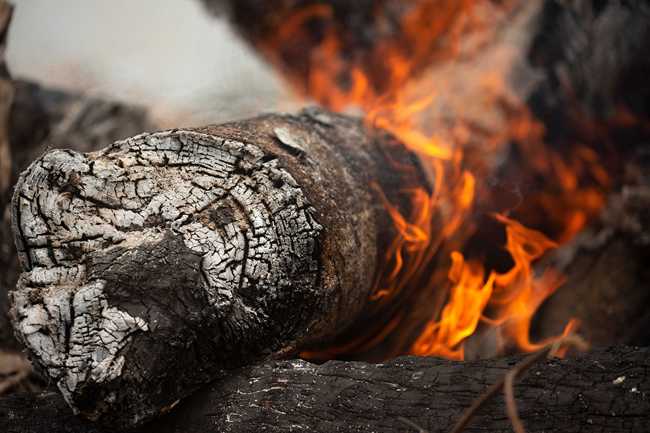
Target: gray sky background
166	54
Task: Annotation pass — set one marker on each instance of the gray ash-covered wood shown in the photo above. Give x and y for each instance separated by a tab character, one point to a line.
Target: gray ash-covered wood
40	118
606	390
163	261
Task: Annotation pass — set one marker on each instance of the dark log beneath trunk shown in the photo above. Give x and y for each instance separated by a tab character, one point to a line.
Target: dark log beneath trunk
607	390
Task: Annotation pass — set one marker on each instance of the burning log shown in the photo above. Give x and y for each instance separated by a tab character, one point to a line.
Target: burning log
605	390
545	100
197	251
606	268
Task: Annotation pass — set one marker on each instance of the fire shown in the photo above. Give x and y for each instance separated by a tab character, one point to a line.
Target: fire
456	153
511	298
460	317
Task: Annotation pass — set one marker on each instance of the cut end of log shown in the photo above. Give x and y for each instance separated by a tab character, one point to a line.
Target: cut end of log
132	252
167	260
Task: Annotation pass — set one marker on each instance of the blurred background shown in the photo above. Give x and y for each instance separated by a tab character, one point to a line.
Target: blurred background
170	56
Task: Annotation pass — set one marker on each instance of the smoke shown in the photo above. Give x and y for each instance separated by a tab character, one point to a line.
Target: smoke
188	67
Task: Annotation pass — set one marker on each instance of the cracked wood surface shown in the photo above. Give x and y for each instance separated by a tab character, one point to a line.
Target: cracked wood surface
607	390
42	117
161	262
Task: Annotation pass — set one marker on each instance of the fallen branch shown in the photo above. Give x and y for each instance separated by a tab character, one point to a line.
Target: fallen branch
604	390
198	251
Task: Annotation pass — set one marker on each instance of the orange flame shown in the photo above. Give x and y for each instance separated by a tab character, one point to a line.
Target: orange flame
376	79
460	317
512	297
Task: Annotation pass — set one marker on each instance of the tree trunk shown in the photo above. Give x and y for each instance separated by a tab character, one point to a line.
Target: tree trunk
605	390
197	251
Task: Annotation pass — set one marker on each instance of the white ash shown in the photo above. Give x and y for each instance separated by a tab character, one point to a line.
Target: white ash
75	333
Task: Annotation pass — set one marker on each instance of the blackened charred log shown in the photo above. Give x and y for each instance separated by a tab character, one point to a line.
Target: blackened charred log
604	390
156	265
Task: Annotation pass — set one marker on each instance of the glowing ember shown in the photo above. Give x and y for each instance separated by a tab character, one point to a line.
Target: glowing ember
458	130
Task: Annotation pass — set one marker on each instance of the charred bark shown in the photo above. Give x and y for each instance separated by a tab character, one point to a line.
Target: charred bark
605	390
196	251
591	54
